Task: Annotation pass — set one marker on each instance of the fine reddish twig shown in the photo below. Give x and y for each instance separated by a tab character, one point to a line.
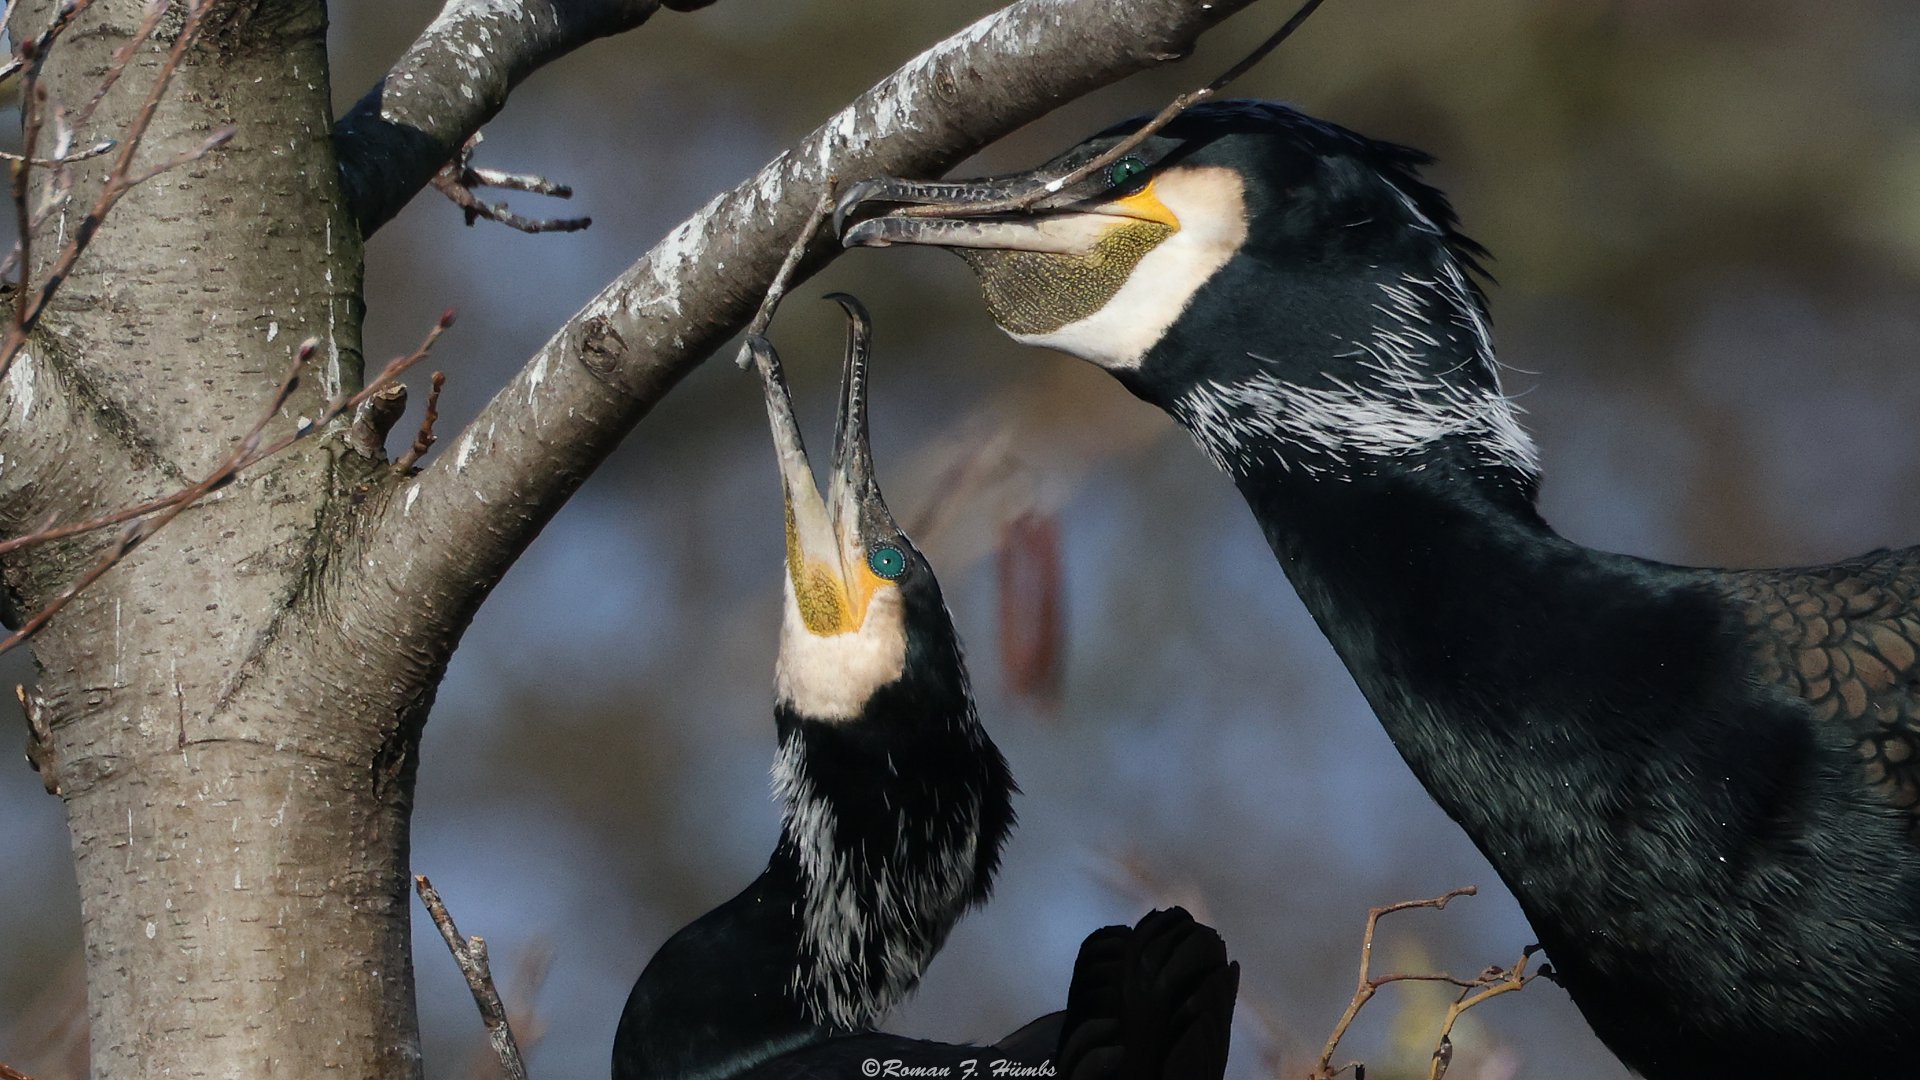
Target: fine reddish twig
29	59
8	1072
155	514
458	178
32	303
123	58
424	441
470	953
1026	199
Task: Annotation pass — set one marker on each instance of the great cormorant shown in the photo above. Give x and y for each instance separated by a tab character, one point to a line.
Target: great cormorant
1702	785
895	804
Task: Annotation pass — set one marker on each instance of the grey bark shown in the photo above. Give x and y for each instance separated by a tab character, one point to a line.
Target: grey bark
234	711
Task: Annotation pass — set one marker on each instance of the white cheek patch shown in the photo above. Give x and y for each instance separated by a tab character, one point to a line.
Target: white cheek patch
1210	203
832	678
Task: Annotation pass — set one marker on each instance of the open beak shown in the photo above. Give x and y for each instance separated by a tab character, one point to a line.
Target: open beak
964	214
828	538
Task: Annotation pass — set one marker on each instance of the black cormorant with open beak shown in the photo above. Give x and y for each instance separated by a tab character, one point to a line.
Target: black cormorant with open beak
1702	785
895	804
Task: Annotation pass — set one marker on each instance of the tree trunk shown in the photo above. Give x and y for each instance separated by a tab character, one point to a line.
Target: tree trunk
238	813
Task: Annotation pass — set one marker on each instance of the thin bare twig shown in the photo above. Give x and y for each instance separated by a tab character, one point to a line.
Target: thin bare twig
506	181
424	441
530	967
246	452
120	180
1368	985
123	58
1491	984
93	151
31	56
458	178
777	288
219	138
227	469
1040	190
471	955
8	1072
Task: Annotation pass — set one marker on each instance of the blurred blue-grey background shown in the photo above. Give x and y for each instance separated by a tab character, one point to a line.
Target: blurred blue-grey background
1706	218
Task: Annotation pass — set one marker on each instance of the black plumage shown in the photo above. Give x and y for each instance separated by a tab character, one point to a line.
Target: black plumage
1700	784
1153	1001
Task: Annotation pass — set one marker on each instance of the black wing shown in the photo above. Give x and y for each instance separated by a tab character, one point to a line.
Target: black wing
1149	1002
1846	638
1154	1002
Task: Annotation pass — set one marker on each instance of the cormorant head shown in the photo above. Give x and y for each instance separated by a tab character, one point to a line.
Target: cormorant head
863	610
1287	288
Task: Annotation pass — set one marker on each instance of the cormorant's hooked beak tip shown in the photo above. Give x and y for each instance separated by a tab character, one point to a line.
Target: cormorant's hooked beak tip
850	202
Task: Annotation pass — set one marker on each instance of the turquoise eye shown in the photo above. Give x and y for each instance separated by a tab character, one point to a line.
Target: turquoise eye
1126	172
887	562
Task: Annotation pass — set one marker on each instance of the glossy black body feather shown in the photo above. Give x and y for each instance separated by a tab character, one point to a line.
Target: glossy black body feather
1719	887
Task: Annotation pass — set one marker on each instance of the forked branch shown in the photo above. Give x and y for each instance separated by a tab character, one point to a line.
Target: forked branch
454	79
458	525
460	180
1483	987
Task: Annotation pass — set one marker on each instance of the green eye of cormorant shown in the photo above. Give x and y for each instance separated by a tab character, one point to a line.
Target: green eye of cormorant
1125	173
887	561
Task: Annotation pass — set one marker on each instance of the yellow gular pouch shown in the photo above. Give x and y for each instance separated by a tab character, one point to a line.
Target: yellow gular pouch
829	605
1031	292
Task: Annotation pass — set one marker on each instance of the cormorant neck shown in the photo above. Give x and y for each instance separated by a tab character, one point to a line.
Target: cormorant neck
890	830
1482	638
1278	369
893	826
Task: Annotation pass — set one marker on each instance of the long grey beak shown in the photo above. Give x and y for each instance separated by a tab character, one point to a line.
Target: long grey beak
852	482
973	214
827	538
959	214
